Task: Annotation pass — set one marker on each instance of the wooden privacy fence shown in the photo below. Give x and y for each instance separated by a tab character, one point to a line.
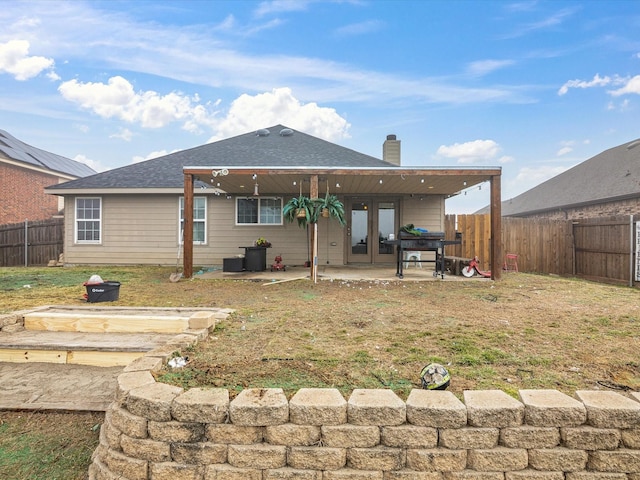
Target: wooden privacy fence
599	248
31	243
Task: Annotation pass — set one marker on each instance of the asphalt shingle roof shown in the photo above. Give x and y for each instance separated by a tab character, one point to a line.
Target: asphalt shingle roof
22	152
610	175
282	147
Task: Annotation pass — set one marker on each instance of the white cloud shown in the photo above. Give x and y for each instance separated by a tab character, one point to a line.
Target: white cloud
470	152
564	151
279	106
484	67
360	28
15	60
566	147
632	85
597	81
150	155
123	134
528	177
117	99
280	6
95	164
506	159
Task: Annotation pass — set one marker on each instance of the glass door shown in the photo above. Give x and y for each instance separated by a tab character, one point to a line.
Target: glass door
358	232
386	225
370	222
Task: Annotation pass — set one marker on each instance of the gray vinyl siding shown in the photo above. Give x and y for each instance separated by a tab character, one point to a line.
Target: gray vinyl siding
424	212
226	238
137	229
143	230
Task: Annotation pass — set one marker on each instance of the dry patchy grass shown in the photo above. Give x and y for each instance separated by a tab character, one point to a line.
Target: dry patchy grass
525	331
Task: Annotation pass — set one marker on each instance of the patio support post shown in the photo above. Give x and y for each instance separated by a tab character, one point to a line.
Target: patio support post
495	246
313	193
187	232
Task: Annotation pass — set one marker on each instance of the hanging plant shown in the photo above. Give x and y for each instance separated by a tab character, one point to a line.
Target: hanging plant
300	209
331	207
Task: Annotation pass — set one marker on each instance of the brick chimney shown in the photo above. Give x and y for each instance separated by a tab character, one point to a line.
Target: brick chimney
391	150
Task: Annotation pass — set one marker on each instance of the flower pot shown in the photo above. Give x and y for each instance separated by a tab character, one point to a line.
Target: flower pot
325	212
301	213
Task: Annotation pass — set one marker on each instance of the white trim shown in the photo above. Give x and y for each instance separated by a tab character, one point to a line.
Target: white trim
259	199
76	220
195	220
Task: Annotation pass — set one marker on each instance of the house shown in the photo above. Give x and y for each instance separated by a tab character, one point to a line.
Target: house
237	188
607	184
25	171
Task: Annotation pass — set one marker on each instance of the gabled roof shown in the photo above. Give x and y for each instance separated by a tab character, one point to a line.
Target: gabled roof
609	176
14	149
280	147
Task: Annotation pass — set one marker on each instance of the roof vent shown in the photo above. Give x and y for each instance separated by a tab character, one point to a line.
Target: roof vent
263	132
286	132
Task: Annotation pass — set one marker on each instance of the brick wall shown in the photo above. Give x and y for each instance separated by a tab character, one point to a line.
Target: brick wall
609	209
22	195
160	432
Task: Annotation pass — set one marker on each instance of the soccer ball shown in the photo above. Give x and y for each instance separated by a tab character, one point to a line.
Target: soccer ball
435	377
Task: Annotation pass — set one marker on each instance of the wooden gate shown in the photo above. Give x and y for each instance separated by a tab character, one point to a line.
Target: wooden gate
604	248
31	243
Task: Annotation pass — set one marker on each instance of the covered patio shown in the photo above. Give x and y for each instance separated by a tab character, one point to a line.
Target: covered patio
311	181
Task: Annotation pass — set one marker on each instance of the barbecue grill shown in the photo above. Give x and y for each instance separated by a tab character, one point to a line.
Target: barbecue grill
426	241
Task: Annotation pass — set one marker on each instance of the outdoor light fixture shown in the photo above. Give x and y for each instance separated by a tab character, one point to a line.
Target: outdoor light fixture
255	176
422	180
380	181
337	185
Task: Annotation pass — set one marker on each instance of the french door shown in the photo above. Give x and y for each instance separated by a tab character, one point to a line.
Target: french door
369	223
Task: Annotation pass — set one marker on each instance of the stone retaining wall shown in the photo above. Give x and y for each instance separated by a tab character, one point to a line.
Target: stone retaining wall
155	431
12	322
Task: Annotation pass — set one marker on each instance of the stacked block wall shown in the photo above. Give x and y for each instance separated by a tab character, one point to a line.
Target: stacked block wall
155	431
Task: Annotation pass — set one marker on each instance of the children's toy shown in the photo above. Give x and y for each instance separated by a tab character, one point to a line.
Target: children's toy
471	269
278	265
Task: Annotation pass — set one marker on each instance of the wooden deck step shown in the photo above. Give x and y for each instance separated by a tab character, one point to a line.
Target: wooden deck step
106	321
97	349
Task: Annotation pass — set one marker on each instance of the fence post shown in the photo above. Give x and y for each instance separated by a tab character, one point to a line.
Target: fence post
632	250
26	242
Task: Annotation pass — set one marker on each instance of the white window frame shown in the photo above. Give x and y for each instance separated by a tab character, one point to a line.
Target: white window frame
259	222
202	221
77	221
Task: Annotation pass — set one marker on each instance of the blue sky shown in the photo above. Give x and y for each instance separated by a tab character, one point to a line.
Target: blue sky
534	87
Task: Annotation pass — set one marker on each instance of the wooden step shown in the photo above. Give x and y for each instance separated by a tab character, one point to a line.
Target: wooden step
96	349
114	320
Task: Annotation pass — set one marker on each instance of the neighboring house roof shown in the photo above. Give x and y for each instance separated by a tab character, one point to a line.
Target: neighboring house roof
609	176
281	147
14	149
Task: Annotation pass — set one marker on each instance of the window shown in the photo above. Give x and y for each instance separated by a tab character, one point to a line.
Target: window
88	220
258	211
199	219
